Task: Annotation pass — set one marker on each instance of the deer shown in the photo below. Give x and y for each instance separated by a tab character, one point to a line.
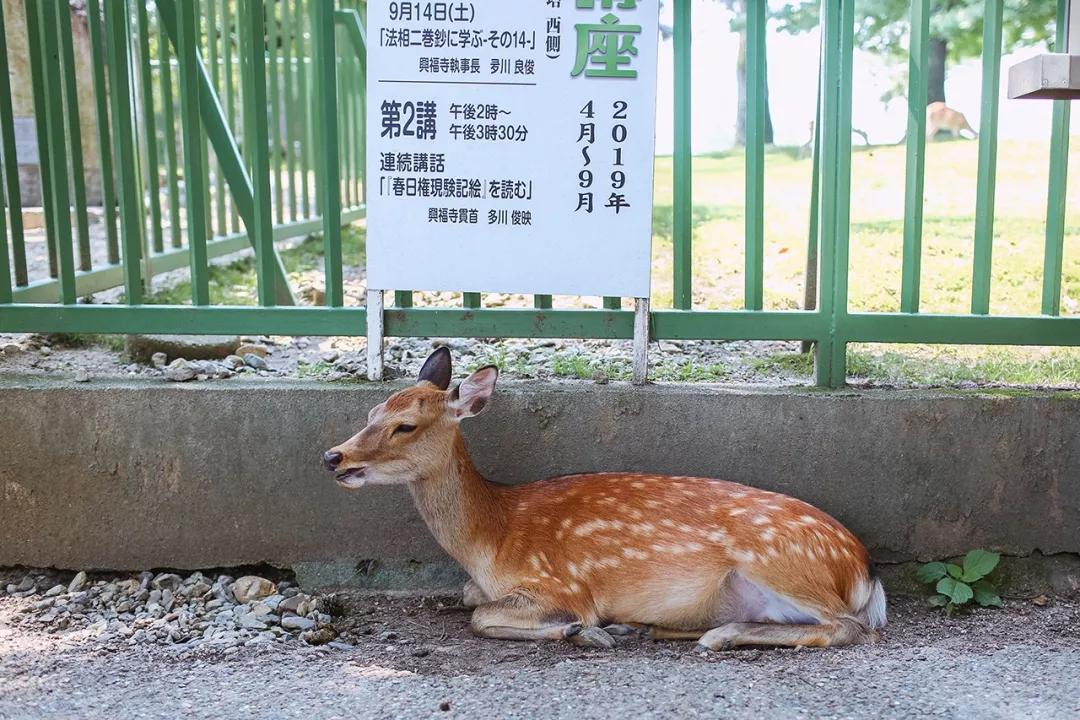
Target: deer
590	557
941	117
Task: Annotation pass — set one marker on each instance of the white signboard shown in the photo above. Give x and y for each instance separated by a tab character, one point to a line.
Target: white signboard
510	145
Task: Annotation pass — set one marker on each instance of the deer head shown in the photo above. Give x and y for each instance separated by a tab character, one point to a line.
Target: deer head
411	435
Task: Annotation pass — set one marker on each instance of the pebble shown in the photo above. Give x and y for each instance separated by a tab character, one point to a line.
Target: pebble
159	360
252	349
81	376
55	590
180	371
295	622
255	361
77	583
45	351
167	581
251	587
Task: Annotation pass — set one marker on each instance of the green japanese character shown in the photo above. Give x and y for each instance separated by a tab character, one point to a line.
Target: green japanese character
609	45
607	4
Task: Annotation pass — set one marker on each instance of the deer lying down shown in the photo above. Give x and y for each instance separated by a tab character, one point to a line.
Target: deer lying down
585	557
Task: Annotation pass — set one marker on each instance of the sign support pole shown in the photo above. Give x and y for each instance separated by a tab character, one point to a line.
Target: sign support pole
375	330
641	341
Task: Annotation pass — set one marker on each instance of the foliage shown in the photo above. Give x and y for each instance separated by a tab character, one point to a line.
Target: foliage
957	585
882	26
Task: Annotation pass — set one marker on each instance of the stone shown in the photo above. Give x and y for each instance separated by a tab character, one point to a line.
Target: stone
273	601
77	583
388	636
45	351
295	622
234	362
159	360
11	350
55	590
252	349
299	604
167	581
255	361
141	348
250	621
180	371
27	583
320	636
251	587
81	376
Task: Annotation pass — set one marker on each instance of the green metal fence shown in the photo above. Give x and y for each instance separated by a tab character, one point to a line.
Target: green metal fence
177	79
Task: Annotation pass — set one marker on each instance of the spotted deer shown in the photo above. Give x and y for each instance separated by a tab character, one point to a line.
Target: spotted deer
591	556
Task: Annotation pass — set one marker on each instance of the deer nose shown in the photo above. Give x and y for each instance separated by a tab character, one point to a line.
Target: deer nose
331	459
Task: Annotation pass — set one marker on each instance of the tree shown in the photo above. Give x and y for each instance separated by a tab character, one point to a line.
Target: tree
956	26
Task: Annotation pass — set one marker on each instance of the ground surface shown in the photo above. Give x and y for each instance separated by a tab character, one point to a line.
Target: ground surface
413	655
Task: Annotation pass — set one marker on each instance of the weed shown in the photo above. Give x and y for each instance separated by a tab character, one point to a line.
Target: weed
956	585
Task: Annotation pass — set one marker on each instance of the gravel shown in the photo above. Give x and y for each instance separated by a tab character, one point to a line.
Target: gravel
344	359
414	657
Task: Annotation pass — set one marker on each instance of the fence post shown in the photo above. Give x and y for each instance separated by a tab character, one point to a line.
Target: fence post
375	331
838	21
641	341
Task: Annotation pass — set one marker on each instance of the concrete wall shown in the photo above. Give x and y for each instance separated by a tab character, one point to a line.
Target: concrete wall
152	475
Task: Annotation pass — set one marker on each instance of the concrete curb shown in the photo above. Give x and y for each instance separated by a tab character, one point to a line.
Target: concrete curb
122	475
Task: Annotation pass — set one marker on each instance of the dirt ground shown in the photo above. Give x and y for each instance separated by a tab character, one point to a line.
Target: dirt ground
414	657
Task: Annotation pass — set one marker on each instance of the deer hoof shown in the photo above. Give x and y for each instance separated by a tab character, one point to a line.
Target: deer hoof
589	636
621	630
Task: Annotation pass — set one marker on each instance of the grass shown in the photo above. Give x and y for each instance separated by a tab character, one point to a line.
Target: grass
235	283
876	242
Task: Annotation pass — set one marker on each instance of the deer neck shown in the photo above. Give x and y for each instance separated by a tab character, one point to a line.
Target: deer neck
464	511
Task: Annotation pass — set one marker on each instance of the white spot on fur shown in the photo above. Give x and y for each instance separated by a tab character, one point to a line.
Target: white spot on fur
572	568
634	554
734	512
743	556
760	520
591	527
768	535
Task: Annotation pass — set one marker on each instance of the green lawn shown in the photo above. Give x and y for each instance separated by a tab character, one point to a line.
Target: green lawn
877	208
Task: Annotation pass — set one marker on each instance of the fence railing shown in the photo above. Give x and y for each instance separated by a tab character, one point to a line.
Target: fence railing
300	167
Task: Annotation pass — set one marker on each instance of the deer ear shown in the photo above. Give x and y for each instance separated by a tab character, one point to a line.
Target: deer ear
471	396
438	369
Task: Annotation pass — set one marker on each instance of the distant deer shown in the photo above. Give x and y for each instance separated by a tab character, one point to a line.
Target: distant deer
676	557
941	117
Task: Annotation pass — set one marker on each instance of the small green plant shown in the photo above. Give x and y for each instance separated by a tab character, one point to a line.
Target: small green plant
956	586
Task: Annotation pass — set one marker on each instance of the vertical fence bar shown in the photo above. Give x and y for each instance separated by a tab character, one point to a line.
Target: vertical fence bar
358	95
838	21
150	125
11	162
116	23
988	126
187	39
230	87
48	16
101	104
683	207
918	69
303	55
1058	183
273	73
204	137
289	40
168	131
810	291
471	300
74	132
324	57
37	75
5	267
757	14
345	126
262	234
214	56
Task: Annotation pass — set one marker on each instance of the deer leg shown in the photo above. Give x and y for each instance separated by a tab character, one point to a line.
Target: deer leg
472	596
518	616
842	632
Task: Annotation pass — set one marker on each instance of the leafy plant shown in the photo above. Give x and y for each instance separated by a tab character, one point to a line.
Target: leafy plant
957	585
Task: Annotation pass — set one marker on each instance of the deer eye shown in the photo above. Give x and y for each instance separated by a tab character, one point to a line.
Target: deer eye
404	428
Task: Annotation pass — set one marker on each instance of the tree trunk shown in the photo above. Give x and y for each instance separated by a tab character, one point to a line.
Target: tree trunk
740	74
935	81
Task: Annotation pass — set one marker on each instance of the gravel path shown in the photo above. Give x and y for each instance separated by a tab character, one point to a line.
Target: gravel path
414	657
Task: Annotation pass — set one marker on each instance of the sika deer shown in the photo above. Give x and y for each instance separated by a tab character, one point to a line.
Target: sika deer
683	557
